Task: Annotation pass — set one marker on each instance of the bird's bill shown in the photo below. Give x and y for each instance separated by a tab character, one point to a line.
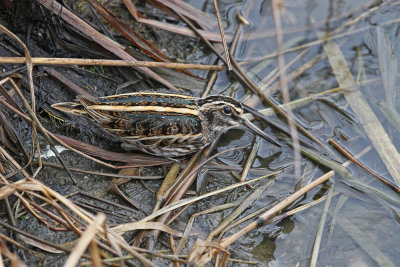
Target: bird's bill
254	129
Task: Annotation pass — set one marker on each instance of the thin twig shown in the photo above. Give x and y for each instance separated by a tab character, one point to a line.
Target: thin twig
359	164
221	30
107	62
318	237
276	6
272	212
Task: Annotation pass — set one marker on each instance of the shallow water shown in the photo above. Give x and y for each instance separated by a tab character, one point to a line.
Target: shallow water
362	226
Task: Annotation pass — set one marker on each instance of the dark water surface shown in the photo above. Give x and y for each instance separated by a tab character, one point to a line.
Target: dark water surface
362	225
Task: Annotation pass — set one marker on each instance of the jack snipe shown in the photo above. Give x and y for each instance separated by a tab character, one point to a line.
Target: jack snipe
163	124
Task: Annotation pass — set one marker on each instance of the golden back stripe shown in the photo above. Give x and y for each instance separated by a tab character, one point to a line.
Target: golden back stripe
156	94
183	111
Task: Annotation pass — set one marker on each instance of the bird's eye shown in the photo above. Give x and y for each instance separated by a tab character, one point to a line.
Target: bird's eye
227	110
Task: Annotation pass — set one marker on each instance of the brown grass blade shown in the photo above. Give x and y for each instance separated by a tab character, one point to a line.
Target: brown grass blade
211	36
134	160
84	241
201	18
96	36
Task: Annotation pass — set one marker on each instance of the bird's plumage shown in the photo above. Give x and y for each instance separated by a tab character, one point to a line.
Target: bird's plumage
162	124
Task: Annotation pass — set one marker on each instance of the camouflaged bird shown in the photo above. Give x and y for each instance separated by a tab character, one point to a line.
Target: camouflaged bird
163	124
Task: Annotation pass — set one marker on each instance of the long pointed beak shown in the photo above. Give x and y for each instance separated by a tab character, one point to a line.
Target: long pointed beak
254	129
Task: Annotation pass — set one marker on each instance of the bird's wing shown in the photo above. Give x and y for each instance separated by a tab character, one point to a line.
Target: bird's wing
153	128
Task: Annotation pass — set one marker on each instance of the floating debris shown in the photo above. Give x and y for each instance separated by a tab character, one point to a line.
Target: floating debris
48	153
